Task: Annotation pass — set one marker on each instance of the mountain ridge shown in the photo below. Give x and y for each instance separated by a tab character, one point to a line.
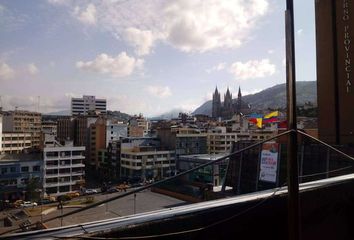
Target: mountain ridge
273	97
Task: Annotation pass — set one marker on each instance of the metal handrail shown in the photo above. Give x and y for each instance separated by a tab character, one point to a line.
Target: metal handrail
186	172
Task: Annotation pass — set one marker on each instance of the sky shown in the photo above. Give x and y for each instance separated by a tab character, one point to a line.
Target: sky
146	56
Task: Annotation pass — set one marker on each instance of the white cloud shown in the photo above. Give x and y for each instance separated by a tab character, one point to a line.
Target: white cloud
270	51
129	104
141	40
300	31
6	72
87	16
120	66
244	93
32	69
189	105
2	9
209	24
219	67
252	69
159	91
190	26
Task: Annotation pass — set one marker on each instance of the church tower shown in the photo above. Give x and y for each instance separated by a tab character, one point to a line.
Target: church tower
228	109
216	109
239	101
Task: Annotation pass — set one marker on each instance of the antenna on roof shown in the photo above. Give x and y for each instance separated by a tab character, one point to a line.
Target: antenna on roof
39	99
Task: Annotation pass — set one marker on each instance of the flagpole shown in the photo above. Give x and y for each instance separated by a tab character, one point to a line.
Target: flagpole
292	165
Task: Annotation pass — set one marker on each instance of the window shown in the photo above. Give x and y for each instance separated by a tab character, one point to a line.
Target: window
13	169
3	170
24	169
36	168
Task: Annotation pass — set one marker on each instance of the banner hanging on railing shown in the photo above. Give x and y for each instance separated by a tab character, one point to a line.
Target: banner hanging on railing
269	162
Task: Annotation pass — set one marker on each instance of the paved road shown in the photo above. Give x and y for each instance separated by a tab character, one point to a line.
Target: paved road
145	201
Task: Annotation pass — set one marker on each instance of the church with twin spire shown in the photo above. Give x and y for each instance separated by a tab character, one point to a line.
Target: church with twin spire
229	107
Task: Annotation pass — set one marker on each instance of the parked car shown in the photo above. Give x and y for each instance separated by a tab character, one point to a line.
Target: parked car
73	194
90	191
112	190
28	204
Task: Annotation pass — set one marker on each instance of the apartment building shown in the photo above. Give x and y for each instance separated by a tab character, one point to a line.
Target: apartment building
88	105
15	142
144	158
147	163
183	140
220	141
96	141
15	173
64	168
115	131
24	122
138	127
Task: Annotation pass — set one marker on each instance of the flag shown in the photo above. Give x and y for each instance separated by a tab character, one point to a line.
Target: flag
259	122
272	114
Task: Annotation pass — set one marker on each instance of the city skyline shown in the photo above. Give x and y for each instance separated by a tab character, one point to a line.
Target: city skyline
146	56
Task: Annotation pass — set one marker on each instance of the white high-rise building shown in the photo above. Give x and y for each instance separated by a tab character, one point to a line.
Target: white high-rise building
64	168
88	105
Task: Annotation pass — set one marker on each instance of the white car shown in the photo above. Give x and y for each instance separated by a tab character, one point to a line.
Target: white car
28	204
90	191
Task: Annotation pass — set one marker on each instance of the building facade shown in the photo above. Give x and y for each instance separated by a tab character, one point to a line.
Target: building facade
335	59
138	127
15	174
24	122
147	164
88	105
229	107
220	142
115	131
64	168
16	142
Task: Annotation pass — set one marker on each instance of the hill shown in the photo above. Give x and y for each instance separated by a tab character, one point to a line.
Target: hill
273	97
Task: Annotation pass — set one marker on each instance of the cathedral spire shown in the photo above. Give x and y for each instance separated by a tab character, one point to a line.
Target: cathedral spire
239	95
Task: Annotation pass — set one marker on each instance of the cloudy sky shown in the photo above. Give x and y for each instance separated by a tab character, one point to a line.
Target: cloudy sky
145	56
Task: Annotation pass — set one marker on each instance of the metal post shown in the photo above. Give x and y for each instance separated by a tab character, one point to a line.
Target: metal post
239	175
293	181
134	203
61	213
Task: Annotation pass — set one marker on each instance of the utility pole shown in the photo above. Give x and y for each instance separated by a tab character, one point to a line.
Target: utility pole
292	165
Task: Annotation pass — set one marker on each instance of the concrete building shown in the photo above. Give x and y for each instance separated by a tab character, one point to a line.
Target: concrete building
15	173
64	168
213	174
138	127
183	140
24	122
16	142
88	105
144	158
335	65
115	131
50	127
147	164
220	141
65	129
96	141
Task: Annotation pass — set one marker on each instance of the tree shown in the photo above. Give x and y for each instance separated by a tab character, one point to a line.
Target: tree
32	188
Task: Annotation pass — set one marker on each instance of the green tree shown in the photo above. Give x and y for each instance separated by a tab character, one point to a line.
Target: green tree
32	189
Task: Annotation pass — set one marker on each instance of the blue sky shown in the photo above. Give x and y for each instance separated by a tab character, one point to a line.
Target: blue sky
146	56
